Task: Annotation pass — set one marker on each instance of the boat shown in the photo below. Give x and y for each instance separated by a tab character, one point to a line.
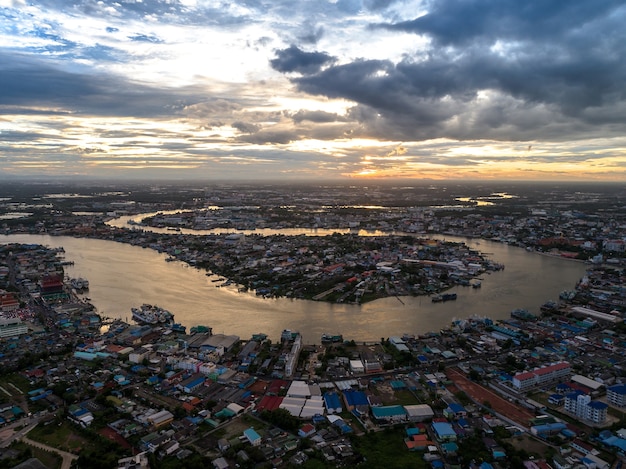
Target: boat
332	338
477	285
549	306
177	327
524	314
79	284
149	314
200	329
444	297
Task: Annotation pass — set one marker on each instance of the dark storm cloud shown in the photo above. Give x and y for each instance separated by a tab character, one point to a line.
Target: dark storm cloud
559	74
465	21
293	59
37	84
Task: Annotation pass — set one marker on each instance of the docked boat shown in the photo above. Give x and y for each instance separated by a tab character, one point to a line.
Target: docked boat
444	297
149	314
79	284
524	314
177	327
548	306
200	329
477	284
332	338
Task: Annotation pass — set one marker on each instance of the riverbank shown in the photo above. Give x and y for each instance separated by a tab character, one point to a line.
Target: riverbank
123	275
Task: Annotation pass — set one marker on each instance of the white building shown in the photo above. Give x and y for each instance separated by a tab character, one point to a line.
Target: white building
584	408
541	376
356	366
11	327
616	395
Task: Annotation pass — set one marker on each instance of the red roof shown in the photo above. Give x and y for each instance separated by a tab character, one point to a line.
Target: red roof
269	403
277	385
549	369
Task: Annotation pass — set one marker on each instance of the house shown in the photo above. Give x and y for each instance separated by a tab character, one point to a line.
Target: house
443	431
220	463
455	411
306	430
252	436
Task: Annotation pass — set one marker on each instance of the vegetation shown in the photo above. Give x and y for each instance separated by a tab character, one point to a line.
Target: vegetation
386	449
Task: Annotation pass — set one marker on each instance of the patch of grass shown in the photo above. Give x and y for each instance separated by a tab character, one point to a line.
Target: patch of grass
63	437
18	381
387	449
404	397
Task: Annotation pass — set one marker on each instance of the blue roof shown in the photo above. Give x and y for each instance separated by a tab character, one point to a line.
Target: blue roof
443	429
616	442
618	389
550	427
450	447
396	384
332	400
597	405
454	407
388	411
355	398
251	434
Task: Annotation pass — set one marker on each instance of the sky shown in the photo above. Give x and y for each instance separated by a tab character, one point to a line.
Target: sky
314	89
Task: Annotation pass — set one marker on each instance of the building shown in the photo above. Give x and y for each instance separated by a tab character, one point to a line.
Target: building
160	419
12	327
252	436
443	431
543	376
584	408
616	395
356	366
419	412
8	302
389	414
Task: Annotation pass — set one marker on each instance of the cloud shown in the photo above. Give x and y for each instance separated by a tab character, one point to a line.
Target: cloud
400	86
245	127
41	85
489	73
315	116
293	59
463	22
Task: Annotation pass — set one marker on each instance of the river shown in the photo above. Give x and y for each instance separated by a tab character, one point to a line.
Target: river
123	276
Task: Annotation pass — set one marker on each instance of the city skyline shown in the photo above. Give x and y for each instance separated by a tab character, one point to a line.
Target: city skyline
342	89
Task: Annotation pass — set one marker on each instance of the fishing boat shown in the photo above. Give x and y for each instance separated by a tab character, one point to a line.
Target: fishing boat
149	314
